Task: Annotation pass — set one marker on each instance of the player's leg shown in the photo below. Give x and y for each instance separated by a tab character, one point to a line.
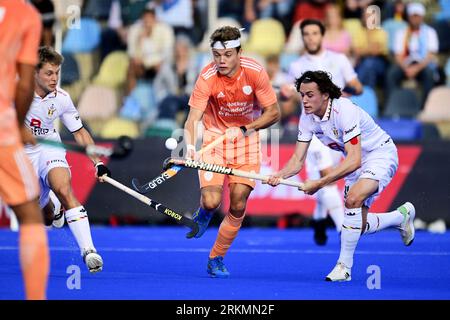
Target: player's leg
53	211
211	197
59	181
228	229
352	227
319	220
332	200
402	218
19	189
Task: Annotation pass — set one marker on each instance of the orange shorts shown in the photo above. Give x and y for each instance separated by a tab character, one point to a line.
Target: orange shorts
18	181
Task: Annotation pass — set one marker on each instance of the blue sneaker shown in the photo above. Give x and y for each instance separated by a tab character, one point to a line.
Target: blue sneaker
216	268
202	218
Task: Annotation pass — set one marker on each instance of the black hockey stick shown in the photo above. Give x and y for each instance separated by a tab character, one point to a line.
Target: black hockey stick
179	218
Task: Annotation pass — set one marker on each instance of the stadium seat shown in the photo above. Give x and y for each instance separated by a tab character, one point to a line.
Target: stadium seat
401	129
69	70
402	103
447	71
258	41
83	39
430	132
437	108
442	28
117	127
391	26
97	102
286	59
97	9
444	13
367	101
356	30
113	70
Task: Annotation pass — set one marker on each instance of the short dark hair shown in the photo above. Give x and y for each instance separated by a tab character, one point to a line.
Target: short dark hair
49	55
309	22
323	81
224	34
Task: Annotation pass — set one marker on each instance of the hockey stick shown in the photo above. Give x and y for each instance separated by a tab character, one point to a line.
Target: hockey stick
179	218
198	165
170	172
122	148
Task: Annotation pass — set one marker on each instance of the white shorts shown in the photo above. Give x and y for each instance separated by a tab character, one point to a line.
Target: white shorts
45	159
379	165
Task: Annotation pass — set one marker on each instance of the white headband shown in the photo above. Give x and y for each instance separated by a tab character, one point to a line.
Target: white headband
226	44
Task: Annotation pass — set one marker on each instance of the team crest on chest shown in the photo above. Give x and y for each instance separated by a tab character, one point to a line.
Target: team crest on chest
335	132
247	90
51	110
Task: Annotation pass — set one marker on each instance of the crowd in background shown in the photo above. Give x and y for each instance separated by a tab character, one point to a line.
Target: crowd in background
130	65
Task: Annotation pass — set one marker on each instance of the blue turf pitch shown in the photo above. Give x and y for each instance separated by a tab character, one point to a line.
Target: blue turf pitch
159	263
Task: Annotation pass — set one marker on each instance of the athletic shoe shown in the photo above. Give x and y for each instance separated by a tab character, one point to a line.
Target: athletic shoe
339	273
407	230
216	268
320	232
58	219
93	260
202	219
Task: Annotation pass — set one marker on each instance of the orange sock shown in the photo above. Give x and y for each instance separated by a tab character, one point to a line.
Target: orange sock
227	232
34	260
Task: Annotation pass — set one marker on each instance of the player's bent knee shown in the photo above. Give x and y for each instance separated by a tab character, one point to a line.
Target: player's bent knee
64	193
210	203
353	201
238	208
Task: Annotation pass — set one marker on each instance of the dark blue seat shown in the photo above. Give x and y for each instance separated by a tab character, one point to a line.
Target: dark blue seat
402	129
69	70
402	103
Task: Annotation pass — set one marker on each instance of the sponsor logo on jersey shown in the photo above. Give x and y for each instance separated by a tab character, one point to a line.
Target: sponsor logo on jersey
350	130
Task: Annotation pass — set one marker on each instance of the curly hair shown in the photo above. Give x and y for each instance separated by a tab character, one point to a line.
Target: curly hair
225	33
323	81
49	55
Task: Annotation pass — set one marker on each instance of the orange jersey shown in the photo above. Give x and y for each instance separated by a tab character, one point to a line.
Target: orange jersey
232	102
20	33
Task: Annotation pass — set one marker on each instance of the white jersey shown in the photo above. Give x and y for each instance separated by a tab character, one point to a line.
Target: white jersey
44	111
335	63
343	121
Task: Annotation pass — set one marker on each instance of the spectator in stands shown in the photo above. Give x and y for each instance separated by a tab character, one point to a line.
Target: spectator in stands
176	13
47	11
242	11
150	44
311	9
182	79
336	38
415	52
280	10
353	9
372	56
123	14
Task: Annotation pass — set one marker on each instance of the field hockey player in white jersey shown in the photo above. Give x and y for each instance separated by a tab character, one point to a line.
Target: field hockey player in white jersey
369	165
50	103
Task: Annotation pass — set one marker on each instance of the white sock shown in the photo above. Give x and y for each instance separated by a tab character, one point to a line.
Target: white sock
351	231
320	211
78	222
380	221
334	205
